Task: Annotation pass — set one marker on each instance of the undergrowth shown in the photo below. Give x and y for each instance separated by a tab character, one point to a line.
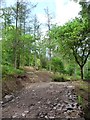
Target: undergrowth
57	77
9	70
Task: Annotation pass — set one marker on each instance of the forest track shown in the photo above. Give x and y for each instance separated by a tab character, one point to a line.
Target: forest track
43	99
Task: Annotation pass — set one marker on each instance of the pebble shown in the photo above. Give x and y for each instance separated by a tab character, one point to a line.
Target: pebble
13	100
59	109
51	117
46	116
45	107
48	102
54	104
71	87
1	102
66	102
41	116
23	114
15	115
56	99
39	102
26	111
54	108
58	104
8	97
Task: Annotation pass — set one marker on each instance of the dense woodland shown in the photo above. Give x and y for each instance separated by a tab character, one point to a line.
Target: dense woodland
64	49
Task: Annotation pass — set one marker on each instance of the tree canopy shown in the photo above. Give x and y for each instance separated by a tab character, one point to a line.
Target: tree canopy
62	46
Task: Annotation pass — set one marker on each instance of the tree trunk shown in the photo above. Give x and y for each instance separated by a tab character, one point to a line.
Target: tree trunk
81	67
15	59
15	42
18	60
50	66
35	59
50	60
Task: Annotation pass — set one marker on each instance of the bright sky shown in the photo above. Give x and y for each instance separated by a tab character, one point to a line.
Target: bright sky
63	10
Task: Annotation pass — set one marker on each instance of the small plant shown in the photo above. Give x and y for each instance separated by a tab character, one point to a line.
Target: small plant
57	65
9	70
58	78
80	100
87	76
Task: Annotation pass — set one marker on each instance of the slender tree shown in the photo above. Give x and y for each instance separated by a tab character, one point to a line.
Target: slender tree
48	24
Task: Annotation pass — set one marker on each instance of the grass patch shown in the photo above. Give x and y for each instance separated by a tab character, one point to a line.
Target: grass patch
82	89
9	70
83	92
83	85
57	77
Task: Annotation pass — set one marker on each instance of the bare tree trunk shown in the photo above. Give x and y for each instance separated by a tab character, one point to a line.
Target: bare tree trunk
15	43
49	59
15	58
16	40
18	60
49	28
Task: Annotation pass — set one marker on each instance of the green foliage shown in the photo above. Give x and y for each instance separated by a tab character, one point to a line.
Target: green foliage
23	45
9	70
87	75
87	70
58	78
80	100
43	62
38	64
57	65
71	69
73	39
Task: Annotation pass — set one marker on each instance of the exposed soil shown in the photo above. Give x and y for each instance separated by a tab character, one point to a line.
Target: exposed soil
41	98
14	83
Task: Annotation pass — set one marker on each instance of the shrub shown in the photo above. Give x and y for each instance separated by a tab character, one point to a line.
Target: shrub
59	78
57	65
87	76
9	70
43	62
71	69
87	71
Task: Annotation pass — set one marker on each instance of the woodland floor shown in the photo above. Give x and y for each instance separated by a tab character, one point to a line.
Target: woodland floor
42	98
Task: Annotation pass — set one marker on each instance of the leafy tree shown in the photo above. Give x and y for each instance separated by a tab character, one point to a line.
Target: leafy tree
14	34
74	37
77	41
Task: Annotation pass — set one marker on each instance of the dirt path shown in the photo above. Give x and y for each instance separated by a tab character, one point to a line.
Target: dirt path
44	99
